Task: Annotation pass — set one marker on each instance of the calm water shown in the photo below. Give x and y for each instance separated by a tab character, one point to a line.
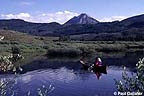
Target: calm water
67	78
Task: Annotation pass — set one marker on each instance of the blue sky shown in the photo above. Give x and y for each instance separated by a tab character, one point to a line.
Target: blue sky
62	10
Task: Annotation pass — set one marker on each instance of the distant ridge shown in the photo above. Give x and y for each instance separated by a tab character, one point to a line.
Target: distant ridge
135	21
82	19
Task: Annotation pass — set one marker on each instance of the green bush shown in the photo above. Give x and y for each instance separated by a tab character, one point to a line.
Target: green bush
6	63
64	52
134	83
15	50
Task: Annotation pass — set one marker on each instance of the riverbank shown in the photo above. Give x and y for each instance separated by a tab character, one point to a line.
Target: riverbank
73	48
29	46
86	47
53	46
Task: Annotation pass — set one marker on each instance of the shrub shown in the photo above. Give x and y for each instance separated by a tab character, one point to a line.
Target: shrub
64	52
15	50
134	83
5	63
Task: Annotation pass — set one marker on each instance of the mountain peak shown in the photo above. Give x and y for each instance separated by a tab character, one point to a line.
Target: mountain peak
82	19
83	14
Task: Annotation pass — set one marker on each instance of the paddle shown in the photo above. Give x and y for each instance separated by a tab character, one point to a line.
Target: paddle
85	62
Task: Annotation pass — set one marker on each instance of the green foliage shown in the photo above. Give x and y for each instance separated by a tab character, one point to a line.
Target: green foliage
6	85
43	91
6	63
7	88
134	83
3	85
64	38
15	50
64	52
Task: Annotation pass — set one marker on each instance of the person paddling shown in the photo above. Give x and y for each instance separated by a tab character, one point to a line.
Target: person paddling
98	62
98	68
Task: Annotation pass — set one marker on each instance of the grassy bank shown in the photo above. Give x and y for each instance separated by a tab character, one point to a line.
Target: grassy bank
52	45
91	47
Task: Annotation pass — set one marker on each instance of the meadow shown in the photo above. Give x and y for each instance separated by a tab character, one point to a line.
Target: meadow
54	46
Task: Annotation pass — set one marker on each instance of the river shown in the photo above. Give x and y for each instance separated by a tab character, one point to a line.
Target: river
64	77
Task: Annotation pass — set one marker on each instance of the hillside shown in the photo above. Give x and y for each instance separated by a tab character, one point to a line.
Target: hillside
17	37
29	27
135	21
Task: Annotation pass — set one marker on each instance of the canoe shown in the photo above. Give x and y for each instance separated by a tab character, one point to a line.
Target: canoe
101	69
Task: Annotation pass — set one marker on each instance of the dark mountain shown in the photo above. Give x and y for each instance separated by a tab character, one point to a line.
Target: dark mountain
82	19
135	21
82	27
73	29
29	27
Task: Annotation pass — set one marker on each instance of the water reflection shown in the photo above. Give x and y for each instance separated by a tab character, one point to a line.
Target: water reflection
67	82
68	76
128	59
98	70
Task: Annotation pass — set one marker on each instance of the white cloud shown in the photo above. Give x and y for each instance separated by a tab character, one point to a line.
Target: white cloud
113	18
25	3
60	17
24	16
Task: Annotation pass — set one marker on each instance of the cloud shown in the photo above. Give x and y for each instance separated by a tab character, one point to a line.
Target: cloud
60	17
113	18
24	16
25	3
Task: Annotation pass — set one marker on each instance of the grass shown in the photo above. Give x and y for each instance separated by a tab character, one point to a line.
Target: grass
52	46
59	48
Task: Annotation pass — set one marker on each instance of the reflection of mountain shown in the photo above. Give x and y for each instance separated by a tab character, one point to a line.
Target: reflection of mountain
43	63
82	27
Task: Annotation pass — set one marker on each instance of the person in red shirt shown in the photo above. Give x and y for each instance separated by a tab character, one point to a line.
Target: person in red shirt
98	62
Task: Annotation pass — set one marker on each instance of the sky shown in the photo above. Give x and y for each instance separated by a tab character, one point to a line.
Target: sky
45	11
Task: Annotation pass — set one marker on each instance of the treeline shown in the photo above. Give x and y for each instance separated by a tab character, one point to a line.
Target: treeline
103	37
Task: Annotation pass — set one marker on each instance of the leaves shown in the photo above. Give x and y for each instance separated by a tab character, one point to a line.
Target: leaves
44	91
134	83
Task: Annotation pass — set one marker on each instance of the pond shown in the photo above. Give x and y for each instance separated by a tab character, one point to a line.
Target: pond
64	77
